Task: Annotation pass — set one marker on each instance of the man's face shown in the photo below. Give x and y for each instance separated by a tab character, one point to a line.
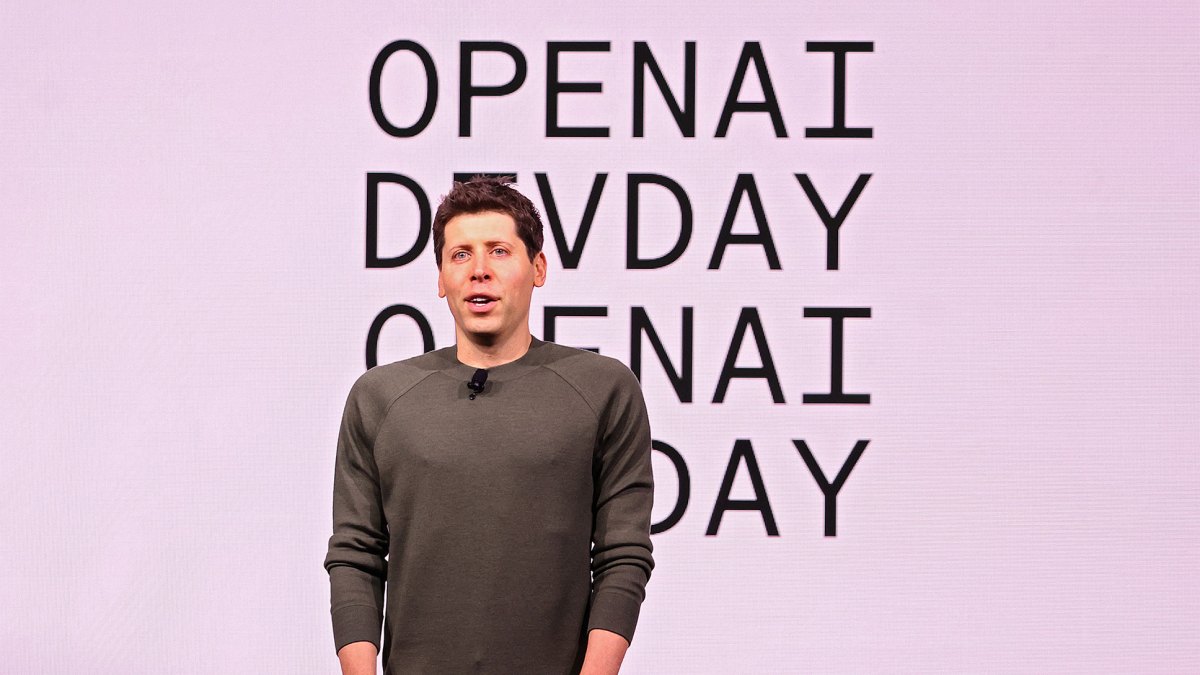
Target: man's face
487	277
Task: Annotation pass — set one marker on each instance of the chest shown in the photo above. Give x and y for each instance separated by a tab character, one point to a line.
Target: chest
537	432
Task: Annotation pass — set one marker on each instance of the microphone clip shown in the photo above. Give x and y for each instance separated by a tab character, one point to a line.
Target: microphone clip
477	382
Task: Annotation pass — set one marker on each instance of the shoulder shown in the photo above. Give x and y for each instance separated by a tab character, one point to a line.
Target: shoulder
582	364
598	378
383	384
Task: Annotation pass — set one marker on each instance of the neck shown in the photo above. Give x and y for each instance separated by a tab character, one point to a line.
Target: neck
483	354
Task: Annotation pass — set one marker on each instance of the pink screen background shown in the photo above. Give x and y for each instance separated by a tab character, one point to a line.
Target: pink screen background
186	306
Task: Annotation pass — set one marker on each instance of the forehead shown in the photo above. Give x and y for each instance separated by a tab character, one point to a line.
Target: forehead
485	226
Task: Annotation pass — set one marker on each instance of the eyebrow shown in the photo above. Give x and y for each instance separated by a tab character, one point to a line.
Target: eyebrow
490	242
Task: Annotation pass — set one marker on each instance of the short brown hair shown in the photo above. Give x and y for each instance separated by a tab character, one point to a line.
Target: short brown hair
489	193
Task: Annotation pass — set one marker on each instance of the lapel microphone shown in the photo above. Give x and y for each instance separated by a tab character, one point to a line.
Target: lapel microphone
476	383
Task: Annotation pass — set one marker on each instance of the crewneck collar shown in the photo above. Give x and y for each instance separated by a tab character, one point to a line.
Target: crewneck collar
511	370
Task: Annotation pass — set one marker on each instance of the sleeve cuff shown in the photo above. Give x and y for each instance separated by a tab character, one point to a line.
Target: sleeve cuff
615	611
356	623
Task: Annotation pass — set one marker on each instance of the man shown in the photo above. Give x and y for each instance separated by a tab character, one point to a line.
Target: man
506	479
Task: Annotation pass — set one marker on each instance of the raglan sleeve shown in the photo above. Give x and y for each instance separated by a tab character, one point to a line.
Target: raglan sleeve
357	556
624	494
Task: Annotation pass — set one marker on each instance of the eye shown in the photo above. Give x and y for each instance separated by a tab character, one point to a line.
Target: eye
459	255
500	251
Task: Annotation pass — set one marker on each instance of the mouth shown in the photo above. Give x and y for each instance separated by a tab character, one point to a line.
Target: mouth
480	302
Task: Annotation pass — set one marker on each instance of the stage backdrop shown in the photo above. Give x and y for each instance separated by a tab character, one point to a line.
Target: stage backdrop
910	288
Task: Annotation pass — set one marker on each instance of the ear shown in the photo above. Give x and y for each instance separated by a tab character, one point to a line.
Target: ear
441	286
539	269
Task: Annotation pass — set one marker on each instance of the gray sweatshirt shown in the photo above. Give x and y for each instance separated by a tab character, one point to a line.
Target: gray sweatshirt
505	526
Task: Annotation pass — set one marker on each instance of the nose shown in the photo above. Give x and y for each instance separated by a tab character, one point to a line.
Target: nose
480	269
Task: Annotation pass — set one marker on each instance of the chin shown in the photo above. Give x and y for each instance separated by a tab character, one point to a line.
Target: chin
481	331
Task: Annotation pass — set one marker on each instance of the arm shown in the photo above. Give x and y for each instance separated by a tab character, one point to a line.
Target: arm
621	548
358	658
356	559
605	651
